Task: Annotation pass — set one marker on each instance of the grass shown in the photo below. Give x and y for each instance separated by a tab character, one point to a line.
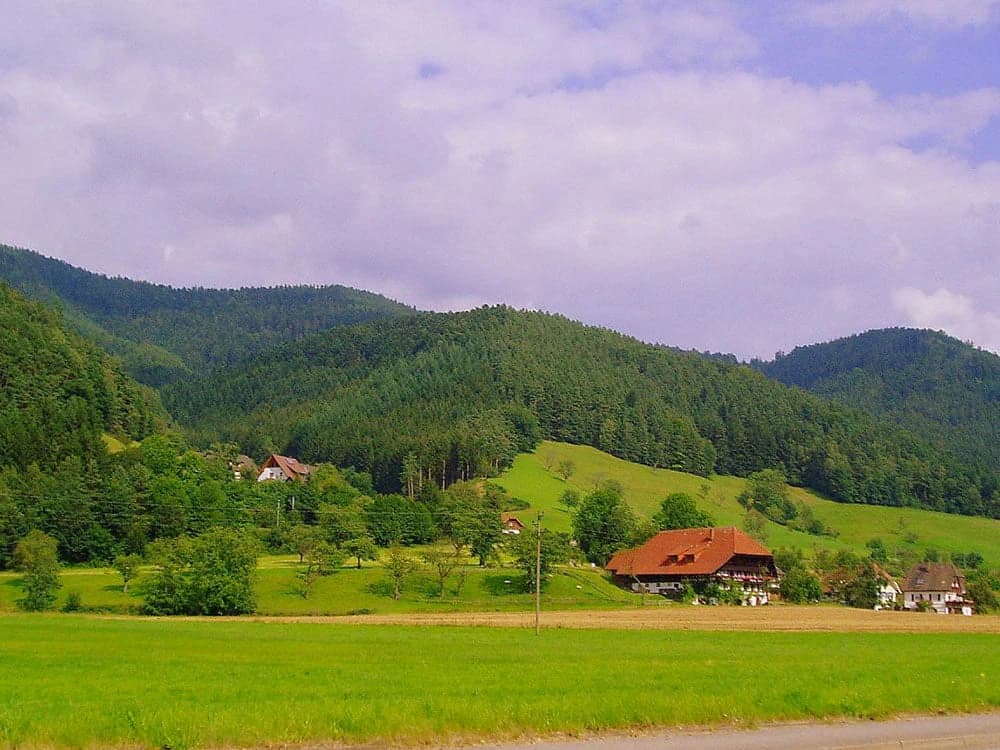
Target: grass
900	528
350	590
71	681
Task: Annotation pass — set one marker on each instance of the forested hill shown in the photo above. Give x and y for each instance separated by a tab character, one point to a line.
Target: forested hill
59	393
925	381
163	333
442	396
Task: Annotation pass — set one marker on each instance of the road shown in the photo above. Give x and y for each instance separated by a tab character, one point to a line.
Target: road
977	731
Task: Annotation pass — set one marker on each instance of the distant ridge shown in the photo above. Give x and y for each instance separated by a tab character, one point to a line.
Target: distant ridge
164	334
930	383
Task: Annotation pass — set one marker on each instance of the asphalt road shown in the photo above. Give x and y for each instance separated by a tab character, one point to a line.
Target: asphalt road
976	731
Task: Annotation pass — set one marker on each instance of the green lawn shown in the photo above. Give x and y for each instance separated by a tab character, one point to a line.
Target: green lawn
349	590
77	682
645	487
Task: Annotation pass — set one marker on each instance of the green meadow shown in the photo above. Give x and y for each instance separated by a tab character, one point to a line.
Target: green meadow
73	681
352	591
532	479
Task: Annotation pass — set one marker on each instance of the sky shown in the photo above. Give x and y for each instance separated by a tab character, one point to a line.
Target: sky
726	176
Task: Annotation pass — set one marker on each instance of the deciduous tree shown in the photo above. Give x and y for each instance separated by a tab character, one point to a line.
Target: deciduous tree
127	567
555	548
799	586
36	556
603	524
679	511
399	566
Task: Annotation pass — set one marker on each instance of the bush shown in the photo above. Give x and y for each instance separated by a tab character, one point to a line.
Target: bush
799	586
515	503
74	602
211	574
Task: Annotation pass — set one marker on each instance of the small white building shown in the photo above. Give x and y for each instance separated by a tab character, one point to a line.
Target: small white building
889	592
940	585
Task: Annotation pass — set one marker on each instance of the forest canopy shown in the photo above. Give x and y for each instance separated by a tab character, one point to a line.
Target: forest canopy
457	395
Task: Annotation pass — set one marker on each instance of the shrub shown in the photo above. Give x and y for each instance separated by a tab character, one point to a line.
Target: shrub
799	586
211	574
74	602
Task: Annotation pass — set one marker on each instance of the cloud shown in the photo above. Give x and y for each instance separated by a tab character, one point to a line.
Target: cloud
623	163
950	14
953	313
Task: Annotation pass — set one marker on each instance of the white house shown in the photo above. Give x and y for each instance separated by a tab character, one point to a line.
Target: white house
283	468
889	592
940	585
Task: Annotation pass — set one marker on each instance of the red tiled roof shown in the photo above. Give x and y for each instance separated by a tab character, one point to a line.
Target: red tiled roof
686	552
291	467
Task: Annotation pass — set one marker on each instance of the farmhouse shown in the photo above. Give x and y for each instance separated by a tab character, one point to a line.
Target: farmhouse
283	468
671	559
511	524
940	585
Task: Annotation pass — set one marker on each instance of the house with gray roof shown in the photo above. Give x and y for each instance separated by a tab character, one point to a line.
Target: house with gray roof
940	585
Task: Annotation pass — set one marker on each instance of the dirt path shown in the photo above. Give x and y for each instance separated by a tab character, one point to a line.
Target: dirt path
773	618
979	731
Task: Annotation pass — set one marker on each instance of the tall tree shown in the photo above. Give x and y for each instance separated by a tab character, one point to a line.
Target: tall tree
603	524
679	511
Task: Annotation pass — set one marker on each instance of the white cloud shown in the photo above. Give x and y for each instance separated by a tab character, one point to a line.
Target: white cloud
610	162
944	13
953	313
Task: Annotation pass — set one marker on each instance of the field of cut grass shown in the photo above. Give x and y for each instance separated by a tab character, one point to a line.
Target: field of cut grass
903	528
79	682
349	590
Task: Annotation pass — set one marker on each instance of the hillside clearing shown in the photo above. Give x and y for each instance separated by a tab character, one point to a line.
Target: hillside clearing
902	529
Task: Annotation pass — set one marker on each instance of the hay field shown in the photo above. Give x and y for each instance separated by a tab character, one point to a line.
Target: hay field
775	619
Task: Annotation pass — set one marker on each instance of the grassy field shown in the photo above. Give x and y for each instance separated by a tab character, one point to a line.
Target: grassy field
71	681
359	591
645	487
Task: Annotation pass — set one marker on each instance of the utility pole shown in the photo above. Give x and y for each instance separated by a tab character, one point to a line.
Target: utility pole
277	516
538	574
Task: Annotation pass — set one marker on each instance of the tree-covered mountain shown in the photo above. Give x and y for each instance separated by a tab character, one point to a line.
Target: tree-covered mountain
163	333
442	396
931	384
60	393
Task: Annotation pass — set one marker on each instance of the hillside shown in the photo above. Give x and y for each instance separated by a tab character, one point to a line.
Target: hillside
60	393
163	333
906	532
445	396
924	381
